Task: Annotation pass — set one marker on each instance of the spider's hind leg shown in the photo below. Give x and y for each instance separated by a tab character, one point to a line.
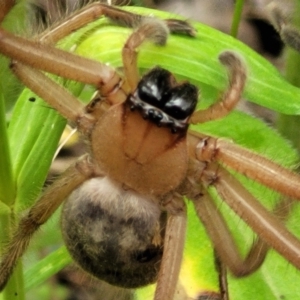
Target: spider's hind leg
41	212
270	228
173	249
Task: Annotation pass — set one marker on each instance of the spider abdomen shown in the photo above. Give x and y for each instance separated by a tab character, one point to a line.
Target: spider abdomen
114	234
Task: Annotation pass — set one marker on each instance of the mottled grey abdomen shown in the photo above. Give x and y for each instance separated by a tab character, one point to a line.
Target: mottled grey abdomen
114	234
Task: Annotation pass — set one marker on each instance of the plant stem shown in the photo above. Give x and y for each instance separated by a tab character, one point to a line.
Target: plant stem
7	188
289	125
236	17
14	288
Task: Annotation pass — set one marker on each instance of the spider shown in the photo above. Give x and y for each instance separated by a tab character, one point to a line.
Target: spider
124	215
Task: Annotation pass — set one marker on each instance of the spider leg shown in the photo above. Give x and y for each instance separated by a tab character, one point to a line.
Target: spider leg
41	212
55	95
5	8
222	276
222	239
152	29
56	61
86	15
267	226
95	10
43	57
227	102
173	251
246	162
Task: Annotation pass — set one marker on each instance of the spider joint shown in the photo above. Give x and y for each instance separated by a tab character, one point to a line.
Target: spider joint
86	167
85	123
206	149
210	175
173	204
156	30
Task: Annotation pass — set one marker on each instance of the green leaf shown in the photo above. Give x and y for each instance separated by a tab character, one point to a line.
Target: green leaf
7	188
14	22
34	132
198	60
47	267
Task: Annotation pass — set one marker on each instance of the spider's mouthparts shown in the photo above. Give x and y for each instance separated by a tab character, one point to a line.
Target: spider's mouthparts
163	101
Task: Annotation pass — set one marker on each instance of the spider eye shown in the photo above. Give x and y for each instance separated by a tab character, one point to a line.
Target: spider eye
153	86
181	101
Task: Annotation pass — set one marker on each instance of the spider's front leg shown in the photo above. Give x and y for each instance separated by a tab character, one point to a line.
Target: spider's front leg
43	57
52	198
124	18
